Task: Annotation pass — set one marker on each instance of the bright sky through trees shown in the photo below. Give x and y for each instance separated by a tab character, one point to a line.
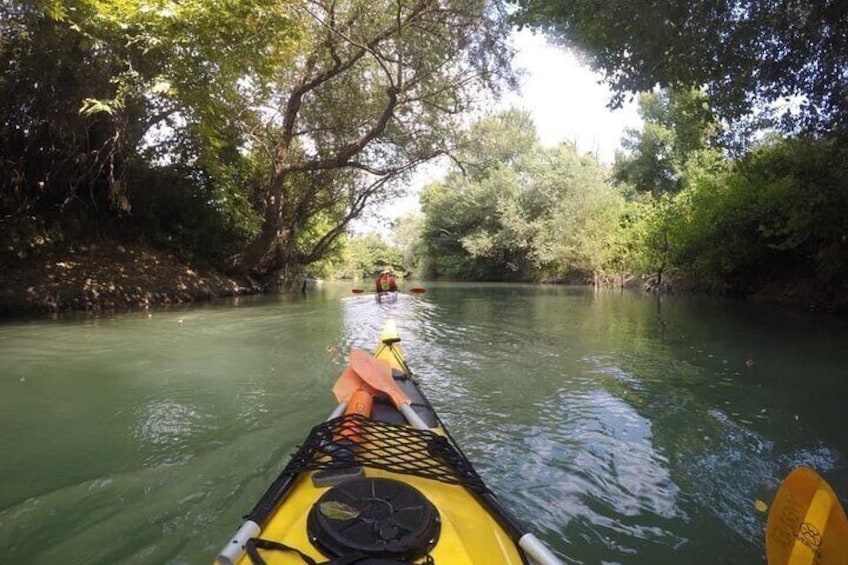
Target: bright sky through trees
567	105
565	99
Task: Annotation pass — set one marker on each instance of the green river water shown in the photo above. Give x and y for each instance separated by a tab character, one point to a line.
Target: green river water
619	428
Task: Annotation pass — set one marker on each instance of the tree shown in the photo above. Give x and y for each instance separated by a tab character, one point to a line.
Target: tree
60	165
282	120
407	232
678	144
580	228
530	213
776	215
378	91
465	215
676	125
364	255
747	54
103	103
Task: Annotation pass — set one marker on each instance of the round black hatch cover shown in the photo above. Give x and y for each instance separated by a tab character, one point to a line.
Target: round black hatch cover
376	516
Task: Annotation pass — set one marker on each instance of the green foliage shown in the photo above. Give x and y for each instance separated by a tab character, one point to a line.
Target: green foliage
778	214
586	229
650	226
363	257
747	54
378	89
102	101
474	225
259	127
252	132
175	212
675	125
407	233
530	213
61	165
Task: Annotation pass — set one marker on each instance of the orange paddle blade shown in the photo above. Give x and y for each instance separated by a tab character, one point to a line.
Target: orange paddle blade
357	290
806	524
378	374
348	383
417	290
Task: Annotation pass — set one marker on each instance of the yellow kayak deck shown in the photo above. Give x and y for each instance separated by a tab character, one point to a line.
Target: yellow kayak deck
468	533
357	484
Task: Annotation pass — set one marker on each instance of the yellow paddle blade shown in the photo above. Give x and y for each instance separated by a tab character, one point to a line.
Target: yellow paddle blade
378	374
807	524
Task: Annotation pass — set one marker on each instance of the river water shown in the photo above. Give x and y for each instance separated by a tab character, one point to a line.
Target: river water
619	428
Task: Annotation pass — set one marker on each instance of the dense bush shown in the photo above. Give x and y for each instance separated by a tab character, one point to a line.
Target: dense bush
189	216
779	213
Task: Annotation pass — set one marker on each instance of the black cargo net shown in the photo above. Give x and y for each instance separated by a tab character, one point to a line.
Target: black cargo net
356	441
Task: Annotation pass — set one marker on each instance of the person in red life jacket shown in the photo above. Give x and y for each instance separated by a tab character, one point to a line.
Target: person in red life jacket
386	282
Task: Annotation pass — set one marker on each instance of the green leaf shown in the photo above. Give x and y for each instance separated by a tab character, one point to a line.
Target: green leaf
336	510
161	86
92	106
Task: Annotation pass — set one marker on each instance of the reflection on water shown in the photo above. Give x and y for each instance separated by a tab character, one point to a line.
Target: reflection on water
621	432
620	429
167	428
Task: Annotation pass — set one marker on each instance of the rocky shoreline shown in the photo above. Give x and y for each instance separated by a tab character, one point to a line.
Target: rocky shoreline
108	276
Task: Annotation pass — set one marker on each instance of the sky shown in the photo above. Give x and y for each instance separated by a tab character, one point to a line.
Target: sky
564	98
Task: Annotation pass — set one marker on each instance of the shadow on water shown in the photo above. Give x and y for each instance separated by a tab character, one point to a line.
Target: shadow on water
622	430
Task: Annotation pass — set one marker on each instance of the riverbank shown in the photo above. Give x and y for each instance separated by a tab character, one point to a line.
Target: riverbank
108	276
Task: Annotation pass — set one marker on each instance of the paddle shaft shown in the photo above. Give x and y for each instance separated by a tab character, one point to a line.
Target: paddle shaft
252	526
414	290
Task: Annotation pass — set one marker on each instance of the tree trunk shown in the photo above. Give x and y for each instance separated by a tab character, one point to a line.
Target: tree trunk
254	258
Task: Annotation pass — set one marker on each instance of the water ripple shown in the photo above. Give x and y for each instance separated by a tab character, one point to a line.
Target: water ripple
619	429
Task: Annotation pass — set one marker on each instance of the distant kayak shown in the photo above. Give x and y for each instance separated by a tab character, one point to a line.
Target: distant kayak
381	482
390	296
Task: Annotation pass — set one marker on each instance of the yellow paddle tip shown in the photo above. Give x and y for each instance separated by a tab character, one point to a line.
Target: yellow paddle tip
806	524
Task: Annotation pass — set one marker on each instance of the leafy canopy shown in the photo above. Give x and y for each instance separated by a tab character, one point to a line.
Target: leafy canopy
676	125
748	54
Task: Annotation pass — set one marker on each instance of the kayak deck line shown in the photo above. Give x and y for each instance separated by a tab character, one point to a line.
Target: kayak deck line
389	487
380	445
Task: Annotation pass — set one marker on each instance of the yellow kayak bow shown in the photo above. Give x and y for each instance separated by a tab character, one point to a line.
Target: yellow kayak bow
384	488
